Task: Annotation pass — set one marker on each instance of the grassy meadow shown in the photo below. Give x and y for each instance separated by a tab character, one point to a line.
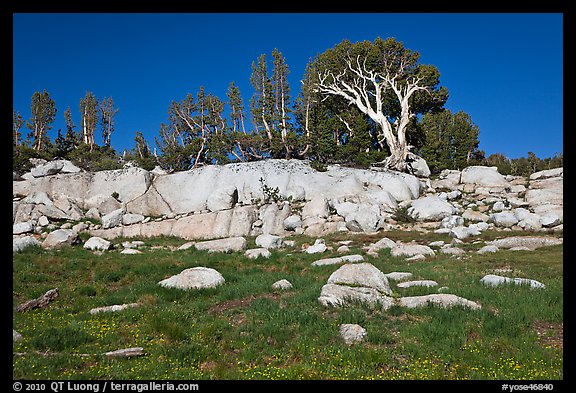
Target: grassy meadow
245	330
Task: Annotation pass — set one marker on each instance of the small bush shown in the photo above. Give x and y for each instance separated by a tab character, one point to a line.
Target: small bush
401	215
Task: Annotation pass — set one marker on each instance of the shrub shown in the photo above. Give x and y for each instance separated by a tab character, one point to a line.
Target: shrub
401	215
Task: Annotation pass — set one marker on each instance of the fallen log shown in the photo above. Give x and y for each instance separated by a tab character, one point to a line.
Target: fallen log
126	352
40	302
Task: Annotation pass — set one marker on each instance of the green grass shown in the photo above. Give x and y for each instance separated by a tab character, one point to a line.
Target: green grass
244	330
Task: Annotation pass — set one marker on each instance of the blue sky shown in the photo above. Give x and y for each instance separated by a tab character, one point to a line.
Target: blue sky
504	70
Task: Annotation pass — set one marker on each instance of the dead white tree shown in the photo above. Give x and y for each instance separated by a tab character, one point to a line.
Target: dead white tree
366	89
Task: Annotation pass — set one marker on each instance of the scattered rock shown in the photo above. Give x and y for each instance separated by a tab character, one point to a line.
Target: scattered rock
437	299
338	260
317	248
20	243
494	280
269	241
336	295
352	333
126	352
97	243
113	219
60	238
129	218
282	285
504	219
483	176
16	336
256	253
409	250
293	222
194	278
417	283
130	251
488	249
114	308
430	208
398	276
22	227
363	275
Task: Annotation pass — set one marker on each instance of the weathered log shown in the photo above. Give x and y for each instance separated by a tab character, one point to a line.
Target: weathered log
40	302
127	352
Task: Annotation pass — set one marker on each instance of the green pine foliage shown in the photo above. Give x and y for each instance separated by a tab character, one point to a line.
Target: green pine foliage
202	129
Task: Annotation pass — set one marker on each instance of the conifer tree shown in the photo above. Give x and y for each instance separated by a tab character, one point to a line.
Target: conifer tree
89	113
43	114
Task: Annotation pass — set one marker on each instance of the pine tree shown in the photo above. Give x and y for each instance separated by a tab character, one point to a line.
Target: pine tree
107	114
262	101
89	113
43	111
17	123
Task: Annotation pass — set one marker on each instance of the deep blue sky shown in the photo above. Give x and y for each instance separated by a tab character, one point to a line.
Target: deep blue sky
504	70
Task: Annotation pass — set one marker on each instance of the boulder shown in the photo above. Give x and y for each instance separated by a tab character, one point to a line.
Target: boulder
444	300
338	260
60	238
409	250
47	169
256	253
97	244
269	241
462	232
20	243
449	250
430	208
130	218
194	278
452	221
23	227
382	244
488	249
130	251
361	274
418	166
292	222
366	219
475	215
398	276
317	247
336	295
68	167
282	285
504	219
114	308
238	243
352	333
113	219
495	280
417	283
483	176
